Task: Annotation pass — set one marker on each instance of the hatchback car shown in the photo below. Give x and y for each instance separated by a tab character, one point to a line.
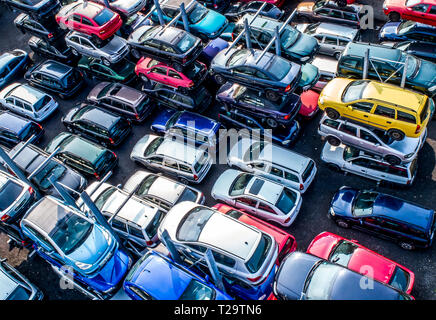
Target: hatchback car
55	77
14	129
273	162
122	71
354	256
239	9
262	197
353	160
423	11
12	63
64	236
129	102
383	215
170	45
47	29
175	158
407	30
124	8
89	18
97	124
217	5
28	101
420	49
243	254
39	9
58	51
83	155
302	276
158	277
160	190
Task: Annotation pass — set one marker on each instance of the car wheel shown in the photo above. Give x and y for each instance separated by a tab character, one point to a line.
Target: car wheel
332	113
272	123
342	223
144	79
183	90
393	160
74	51
337	55
219	79
183	180
406	246
396	134
342	3
333	141
136	54
106	62
333	167
394	16
272	95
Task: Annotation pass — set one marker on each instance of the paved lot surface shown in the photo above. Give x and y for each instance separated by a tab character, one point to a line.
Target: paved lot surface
311	220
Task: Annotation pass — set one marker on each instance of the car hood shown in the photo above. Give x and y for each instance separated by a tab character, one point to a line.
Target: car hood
304	46
426	75
222	184
343	200
159	123
221	58
309	75
395	3
115	45
141	145
211	23
334	89
126	5
390	28
305	6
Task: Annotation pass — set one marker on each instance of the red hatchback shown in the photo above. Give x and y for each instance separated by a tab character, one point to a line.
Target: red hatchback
150	69
285	241
93	19
309	104
356	257
423	11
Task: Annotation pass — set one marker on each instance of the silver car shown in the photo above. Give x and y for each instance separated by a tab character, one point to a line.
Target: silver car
372	140
125	8
108	51
327	69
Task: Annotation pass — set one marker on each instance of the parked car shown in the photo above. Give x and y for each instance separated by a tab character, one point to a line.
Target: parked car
64	236
173	157
129	102
353	160
132	23
39	9
285	241
309	104
250	101
124	8
123	71
47	29
83	155
203	22
277	3
295	45
407	30
89	18
420	49
302	276
152	278
262	197
97	124
28	101
354	256
56	77
273	162
15	286
58	51
160	190
406	223
423	11
385	63
29	158
109	51
327	67
11	63
332	38
170	45
217	5
211	49
329	11
371	140
238	9
195	228
14	129
398	111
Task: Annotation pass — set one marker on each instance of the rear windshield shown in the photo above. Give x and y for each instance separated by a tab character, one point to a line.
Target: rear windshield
423	114
308	171
187	195
119	127
259	256
400	279
286	201
28	131
151	229
103	17
9	192
239	185
278	67
354	91
193	223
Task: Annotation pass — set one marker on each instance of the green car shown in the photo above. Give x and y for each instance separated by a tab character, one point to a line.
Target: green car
82	155
123	71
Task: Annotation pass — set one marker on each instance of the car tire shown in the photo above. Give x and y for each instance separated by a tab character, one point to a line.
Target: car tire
75	52
332	113
105	61
392	160
333	167
183	180
394	16
272	123
396	134
219	79
144	78
272	95
406	245
342	224
183	90
136	54
337	55
341	3
333	141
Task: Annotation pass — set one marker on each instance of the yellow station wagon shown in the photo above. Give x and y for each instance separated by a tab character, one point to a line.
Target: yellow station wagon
399	111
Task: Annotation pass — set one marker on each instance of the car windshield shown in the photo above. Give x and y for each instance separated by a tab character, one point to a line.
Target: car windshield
197	291
145	185
405	26
103	17
238	58
311	29
153	146
400	279
343	252
104	197
187	195
411	3
19	294
278	67
354	91
53	170
198	13
9	192
350	152
193	223
70	232
254	151
172	120
320	281
289	36
260	254
364	202
238	186
286	201
186	42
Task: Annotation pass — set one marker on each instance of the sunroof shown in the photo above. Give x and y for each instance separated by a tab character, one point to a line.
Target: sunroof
256	186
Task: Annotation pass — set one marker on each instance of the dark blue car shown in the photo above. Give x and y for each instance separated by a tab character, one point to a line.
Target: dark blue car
407	30
14	129
408	224
11	63
157	277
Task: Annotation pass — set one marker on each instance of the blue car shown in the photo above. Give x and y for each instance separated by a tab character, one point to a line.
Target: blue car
76	246
211	50
407	30
203	22
14	129
157	277
408	224
187	125
11	63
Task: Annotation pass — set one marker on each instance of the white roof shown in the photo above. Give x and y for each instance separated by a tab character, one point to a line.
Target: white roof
7	285
337	30
166	189
284	158
269	191
326	64
179	150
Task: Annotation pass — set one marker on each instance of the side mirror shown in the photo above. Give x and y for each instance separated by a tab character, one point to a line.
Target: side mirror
250	166
354	241
206	278
119	186
350	107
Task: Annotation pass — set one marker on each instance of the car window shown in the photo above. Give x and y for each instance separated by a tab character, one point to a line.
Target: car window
266	207
276	172
432	10
331	123
223	259
407	117
322	11
174	75
330	40
385	112
420	7
247	201
290	176
119	225
363	106
336	14
86	21
348	129
365	135
159	70
136	231
349	16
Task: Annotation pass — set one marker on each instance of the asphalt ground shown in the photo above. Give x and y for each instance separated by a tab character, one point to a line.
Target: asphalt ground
311	220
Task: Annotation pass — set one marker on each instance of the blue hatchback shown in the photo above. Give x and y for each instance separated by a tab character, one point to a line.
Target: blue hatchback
11	63
14	129
157	277
407	30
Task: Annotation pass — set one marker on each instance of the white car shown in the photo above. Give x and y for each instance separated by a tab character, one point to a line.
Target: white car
273	162
259	196
28	101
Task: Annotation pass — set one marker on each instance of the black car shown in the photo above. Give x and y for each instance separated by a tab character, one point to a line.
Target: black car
421	49
216	5
196	100
97	124
49	30
273	114
166	44
56	77
36	8
57	51
238	9
14	129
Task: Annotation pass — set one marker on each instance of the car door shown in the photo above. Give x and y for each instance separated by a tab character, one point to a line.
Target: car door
329	45
265	210
245	203
358	166
243	74
382	117
88	47
155	162
369	142
417	12
348	134
159	74
321	14
371	225
171	166
275	173
74	22
359	110
335	16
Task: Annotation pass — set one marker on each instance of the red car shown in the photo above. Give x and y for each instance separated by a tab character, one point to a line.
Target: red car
149	69
356	257
309	104
423	11
285	241
93	19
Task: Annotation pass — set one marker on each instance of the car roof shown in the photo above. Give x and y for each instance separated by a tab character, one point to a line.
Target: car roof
261	22
90	10
5	58
125	93
337	30
12	122
7	285
54	68
175	3
98	116
179	150
202	124
168	35
264	189
251	57
166	189
284	158
83	149
229	235
382	268
26	156
27	93
380	51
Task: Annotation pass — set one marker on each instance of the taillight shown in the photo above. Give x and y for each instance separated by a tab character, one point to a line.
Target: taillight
195	177
215	6
96	175
254	279
30	190
5	218
115	155
111	140
287	117
149	243
137	116
418	128
50	35
288	88
301	186
233	36
191	84
40	127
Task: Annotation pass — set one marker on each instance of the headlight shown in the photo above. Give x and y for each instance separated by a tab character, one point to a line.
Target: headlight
286	142
331	212
304	59
407	156
321	100
83	266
